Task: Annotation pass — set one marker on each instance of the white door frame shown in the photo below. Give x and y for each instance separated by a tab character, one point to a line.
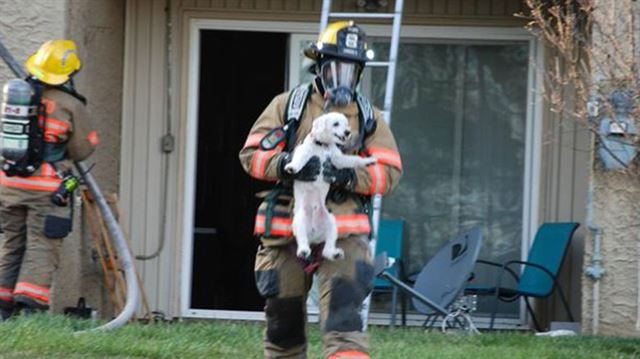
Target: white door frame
533	144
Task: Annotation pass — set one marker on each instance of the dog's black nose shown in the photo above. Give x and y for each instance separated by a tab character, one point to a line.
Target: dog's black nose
347	132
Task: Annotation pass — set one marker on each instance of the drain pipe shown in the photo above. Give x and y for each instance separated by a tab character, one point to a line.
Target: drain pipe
109	219
595	271
638	295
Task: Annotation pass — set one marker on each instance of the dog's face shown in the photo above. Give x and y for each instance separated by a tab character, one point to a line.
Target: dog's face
331	128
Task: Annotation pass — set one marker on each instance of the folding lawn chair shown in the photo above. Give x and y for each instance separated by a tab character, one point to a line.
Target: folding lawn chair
441	281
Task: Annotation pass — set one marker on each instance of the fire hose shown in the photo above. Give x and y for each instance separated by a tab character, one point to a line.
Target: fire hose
112	225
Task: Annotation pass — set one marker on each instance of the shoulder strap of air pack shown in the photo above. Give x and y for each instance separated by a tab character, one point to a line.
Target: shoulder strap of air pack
296	104
366	117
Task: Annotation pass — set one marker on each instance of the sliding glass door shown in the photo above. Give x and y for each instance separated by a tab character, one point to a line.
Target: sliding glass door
459	117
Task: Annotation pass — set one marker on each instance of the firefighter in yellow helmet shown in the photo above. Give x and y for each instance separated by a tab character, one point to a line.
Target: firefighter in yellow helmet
44	128
339	55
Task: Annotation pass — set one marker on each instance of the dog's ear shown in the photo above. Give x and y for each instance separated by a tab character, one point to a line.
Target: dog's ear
319	125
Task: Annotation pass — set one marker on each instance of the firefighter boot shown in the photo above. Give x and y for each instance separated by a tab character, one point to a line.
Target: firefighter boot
7	309
27	306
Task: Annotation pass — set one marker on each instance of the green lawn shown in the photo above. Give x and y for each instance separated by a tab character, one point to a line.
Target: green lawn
52	337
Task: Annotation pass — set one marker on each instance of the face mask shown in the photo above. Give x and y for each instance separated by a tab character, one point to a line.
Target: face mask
339	80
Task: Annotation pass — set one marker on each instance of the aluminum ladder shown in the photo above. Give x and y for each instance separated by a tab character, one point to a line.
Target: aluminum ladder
396	17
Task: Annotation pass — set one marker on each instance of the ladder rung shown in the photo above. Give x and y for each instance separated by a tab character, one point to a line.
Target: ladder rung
352	15
378	63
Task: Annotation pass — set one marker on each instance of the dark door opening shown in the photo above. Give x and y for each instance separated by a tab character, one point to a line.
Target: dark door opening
240	72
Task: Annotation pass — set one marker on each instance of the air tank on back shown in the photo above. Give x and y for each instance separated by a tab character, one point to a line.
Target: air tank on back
17	111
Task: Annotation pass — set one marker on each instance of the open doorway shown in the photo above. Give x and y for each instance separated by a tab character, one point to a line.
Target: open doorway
240	72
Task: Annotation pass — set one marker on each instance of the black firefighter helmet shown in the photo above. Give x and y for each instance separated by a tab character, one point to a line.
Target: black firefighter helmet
340	55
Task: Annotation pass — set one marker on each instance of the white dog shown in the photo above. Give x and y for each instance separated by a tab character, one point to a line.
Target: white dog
312	222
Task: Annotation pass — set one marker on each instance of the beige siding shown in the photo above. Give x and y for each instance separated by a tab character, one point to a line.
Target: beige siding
566	153
143	169
417	12
563	182
565	176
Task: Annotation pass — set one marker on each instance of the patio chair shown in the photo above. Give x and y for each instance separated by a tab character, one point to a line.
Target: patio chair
539	275
390	237
439	285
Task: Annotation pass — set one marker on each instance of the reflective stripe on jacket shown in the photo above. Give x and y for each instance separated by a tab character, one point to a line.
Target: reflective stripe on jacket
347	224
45	180
351	213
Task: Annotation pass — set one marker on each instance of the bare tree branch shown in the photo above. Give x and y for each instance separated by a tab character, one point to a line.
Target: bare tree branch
590	59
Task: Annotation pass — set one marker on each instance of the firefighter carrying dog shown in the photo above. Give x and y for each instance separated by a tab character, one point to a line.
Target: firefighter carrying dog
339	56
44	127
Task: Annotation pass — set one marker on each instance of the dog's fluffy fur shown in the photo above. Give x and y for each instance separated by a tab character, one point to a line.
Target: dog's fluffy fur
312	222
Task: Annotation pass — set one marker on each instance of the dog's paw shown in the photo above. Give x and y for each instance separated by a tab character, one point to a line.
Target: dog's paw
333	254
366	161
303	252
290	168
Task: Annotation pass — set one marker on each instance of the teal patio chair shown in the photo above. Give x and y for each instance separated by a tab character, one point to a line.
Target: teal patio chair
539	273
390	237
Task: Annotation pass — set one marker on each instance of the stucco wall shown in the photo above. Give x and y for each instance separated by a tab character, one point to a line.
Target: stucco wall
610	306
24	25
97	27
616	213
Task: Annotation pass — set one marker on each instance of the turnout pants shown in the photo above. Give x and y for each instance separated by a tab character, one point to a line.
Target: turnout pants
29	253
343	285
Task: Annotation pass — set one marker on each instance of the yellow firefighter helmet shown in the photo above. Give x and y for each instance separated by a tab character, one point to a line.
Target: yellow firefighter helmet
54	62
343	40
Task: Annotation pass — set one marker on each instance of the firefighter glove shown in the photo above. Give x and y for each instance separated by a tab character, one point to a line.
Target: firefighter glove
308	173
340	178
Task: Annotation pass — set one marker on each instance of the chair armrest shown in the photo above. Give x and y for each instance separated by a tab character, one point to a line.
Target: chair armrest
501	266
535	265
484	261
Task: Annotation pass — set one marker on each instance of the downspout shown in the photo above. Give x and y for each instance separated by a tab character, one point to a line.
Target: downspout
638	295
595	271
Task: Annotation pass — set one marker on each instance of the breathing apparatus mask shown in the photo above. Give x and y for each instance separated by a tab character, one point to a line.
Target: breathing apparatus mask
340	55
339	79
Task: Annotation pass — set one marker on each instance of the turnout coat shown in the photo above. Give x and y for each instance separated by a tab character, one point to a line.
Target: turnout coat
351	209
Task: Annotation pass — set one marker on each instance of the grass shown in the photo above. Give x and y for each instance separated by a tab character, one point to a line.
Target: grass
52	337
